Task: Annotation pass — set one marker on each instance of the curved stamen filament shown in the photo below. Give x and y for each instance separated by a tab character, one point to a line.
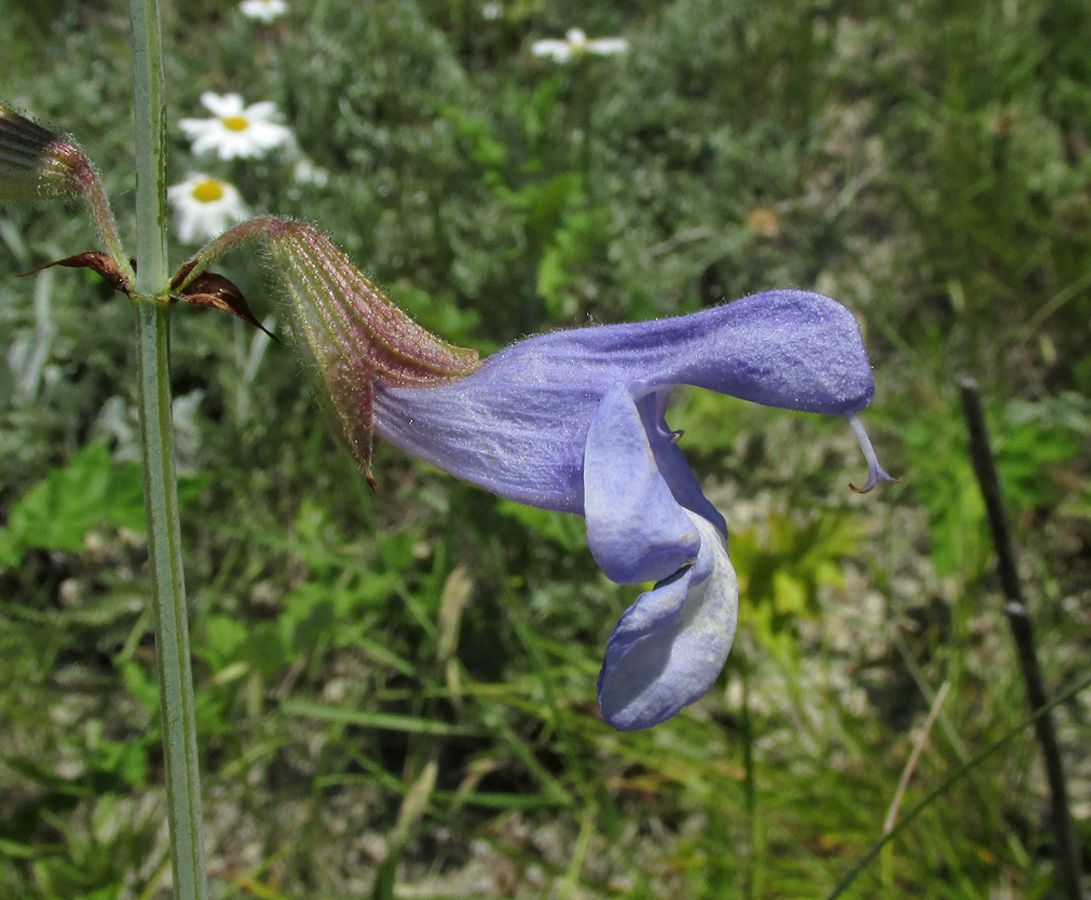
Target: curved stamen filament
662	401
875	471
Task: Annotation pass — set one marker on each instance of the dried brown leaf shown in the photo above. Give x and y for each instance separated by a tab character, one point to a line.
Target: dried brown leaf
98	262
211	290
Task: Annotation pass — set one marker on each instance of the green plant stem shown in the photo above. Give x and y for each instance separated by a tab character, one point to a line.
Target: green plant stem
1022	630
176	702
149	122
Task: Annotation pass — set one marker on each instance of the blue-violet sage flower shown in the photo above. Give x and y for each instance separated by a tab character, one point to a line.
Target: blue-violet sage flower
575	421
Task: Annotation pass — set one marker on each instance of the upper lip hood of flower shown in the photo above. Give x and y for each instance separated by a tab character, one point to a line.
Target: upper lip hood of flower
518	425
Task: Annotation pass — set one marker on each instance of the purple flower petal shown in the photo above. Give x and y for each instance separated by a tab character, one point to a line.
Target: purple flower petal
672	465
635	528
670	645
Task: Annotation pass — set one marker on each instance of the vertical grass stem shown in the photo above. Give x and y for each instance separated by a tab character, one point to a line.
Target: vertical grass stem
176	699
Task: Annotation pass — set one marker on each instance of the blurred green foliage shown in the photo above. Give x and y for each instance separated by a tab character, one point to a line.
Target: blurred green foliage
396	691
58	512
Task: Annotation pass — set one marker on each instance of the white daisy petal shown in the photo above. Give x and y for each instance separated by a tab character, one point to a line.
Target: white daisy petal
264	109
268	135
576	44
556	50
194	128
237	131
221	104
263	10
607	46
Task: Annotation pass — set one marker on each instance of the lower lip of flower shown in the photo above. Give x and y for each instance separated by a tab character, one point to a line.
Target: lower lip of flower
208	191
235	123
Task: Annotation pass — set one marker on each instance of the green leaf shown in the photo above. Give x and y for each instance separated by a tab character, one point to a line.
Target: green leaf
91	491
59	511
223	638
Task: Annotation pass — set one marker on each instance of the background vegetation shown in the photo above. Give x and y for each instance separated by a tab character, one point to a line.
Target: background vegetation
396	692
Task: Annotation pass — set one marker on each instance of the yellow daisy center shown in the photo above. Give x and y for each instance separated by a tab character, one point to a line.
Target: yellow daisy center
235	123
208	191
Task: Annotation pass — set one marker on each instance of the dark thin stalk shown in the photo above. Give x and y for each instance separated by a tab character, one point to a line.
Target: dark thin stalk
1022	630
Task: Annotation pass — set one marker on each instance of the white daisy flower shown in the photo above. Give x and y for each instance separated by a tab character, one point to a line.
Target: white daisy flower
236	132
263	10
205	207
577	44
